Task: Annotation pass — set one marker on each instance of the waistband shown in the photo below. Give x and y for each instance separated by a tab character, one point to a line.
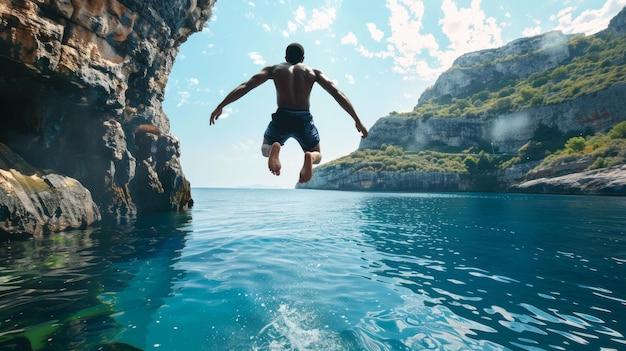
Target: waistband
294	112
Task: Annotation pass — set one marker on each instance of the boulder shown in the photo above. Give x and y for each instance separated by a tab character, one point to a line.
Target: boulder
36	201
609	181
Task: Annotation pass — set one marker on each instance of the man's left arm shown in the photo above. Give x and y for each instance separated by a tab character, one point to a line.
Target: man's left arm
341	99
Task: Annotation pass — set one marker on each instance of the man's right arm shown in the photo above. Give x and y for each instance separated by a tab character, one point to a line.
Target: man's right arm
241	90
341	98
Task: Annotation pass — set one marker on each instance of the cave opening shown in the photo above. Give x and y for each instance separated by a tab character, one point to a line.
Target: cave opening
34	111
19	122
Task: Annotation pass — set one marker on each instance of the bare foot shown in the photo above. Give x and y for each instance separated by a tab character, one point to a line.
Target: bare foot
273	162
307	168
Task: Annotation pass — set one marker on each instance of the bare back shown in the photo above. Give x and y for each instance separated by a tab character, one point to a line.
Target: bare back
293	85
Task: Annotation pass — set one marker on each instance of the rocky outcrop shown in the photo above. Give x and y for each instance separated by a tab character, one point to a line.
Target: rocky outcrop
38	201
487	76
81	79
611	181
520	58
617	25
507	131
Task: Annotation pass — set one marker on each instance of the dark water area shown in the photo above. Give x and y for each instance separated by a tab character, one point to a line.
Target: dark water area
323	270
50	289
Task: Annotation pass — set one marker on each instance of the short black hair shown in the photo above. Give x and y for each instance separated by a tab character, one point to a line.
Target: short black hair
294	53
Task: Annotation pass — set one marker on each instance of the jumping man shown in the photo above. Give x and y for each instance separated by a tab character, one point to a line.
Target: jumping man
293	81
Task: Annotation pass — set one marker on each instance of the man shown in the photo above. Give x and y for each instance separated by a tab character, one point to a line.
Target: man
293	81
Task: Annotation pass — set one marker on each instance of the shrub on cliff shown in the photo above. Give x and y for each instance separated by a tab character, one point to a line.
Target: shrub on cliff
394	159
606	150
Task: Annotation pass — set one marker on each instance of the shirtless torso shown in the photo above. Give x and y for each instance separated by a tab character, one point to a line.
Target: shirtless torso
293	85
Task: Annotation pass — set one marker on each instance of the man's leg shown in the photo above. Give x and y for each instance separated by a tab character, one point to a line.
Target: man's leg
272	152
311	158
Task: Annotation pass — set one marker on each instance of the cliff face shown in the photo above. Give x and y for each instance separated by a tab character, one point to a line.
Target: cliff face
486	83
520	58
507	131
343	178
81	85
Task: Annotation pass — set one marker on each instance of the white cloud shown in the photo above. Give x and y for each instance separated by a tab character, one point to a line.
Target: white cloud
376	33
349	39
257	59
589	21
406	40
378	54
468	29
314	20
300	14
192	81
251	4
350	78
291	28
532	31
266	27
416	53
183	98
321	19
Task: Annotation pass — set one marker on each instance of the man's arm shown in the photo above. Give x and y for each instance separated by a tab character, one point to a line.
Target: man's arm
342	99
241	90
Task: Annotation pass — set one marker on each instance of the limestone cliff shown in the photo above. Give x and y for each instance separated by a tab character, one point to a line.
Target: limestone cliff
520	58
525	98
81	86
508	131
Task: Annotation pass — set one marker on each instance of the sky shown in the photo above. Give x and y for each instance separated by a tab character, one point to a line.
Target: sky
381	53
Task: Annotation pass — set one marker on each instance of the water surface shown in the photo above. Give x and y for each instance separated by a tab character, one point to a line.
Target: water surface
325	270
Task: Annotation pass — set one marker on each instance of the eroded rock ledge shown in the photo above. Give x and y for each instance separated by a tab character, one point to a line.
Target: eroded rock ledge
81	87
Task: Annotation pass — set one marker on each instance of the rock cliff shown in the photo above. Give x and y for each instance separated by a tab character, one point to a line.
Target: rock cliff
520	58
81	85
507	131
484	108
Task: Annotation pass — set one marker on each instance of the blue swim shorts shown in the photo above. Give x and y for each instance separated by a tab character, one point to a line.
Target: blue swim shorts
297	124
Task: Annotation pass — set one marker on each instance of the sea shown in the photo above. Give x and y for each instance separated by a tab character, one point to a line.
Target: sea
287	269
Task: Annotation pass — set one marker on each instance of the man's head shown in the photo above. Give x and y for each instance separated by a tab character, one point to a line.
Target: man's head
294	53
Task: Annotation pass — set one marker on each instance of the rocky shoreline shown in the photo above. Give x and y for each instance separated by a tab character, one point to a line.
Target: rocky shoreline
84	136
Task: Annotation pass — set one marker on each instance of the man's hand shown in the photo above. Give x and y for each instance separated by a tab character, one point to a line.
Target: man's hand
361	128
215	115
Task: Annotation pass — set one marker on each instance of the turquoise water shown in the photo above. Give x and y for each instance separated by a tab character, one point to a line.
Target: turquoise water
326	270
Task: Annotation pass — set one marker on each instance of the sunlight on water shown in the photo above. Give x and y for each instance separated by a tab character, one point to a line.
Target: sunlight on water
306	270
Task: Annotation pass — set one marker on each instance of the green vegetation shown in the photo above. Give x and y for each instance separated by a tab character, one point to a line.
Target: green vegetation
598	62
393	159
603	150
